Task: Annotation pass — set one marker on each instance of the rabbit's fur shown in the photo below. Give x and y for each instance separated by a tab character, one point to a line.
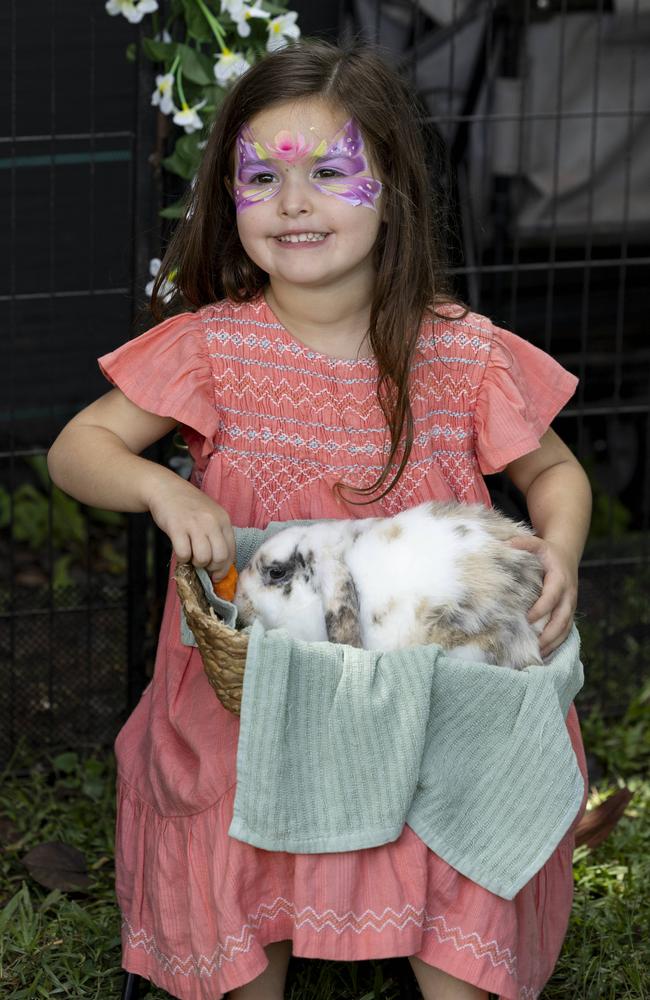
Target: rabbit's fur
437	573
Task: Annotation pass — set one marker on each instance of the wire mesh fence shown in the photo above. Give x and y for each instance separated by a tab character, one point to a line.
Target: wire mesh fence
68	157
537	117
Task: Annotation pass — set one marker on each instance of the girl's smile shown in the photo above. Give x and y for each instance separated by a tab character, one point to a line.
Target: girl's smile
302	238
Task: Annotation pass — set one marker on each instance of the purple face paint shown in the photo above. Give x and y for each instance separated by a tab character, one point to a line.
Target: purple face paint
345	155
343	159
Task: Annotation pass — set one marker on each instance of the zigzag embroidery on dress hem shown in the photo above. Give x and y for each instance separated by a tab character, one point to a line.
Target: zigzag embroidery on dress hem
480	949
369	920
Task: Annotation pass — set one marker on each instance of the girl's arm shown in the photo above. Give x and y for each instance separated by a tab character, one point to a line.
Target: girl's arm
558	497
96	459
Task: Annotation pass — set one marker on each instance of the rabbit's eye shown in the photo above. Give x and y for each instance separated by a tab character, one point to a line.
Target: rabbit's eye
276	573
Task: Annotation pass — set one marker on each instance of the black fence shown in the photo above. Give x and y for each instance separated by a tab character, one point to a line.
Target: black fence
539	113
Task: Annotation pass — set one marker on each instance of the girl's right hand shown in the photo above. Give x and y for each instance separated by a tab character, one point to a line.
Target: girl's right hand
198	528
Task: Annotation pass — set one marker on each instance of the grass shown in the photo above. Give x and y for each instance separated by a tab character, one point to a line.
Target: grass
56	944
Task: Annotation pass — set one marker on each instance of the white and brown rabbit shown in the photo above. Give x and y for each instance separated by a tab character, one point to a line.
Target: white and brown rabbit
437	573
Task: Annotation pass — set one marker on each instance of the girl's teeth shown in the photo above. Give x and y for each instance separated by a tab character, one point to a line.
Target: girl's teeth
303	238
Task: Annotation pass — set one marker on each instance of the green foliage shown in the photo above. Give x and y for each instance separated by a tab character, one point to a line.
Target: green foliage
67	945
610	518
185	157
615	634
606	954
39	514
187	45
622	747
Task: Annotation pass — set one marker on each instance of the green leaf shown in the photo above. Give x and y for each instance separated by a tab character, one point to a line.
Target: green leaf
197	26
113	518
66	762
61	577
186	157
31	518
196	66
131	52
159	51
175	211
38	463
69	525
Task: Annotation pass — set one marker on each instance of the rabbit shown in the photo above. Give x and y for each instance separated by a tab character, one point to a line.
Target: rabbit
435	573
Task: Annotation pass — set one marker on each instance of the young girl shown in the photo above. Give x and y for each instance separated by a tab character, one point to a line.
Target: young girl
318	370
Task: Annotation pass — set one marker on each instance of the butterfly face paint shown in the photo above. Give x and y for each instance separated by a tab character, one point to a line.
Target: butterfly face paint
338	169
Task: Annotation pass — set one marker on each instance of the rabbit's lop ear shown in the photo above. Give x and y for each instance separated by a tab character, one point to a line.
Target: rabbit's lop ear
340	601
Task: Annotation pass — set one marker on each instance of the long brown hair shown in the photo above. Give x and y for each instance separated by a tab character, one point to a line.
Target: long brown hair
207	259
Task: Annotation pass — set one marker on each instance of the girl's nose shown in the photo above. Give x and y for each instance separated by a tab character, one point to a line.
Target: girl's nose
296	195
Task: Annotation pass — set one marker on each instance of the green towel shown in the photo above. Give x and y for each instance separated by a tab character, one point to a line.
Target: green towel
340	747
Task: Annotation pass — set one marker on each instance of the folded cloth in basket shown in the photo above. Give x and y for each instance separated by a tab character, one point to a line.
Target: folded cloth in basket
340	747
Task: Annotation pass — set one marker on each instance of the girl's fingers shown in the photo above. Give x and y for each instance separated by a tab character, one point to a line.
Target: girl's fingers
228	535
549	598
222	556
202	552
182	547
556	630
196	549
531	543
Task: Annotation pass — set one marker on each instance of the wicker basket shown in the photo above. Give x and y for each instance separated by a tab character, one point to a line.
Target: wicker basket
223	649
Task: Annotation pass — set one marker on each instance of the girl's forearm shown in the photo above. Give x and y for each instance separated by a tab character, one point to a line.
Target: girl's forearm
559	505
93	464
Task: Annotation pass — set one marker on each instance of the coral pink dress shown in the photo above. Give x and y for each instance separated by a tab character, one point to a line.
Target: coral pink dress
272	425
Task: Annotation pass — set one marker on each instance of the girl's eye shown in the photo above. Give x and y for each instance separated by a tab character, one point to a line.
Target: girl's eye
328	172
262	179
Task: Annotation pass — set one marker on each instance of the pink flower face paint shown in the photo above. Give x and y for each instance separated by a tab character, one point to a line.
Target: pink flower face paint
339	169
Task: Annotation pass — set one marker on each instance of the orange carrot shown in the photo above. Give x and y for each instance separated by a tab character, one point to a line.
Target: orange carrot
225	588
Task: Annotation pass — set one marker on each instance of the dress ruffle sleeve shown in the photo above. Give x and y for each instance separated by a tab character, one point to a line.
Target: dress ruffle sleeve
166	371
522	390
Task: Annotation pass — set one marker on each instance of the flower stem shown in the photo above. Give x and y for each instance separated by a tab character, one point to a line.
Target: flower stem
217	30
179	84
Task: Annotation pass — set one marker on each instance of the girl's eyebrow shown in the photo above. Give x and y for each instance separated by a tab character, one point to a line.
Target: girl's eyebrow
254	163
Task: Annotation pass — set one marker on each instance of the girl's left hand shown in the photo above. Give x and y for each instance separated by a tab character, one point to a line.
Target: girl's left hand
559	593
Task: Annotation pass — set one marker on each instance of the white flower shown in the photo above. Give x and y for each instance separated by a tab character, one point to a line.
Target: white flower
281	28
189	118
163	94
229	65
231	6
133	10
167	288
242	15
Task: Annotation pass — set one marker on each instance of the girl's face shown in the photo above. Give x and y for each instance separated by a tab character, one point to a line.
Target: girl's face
302	168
